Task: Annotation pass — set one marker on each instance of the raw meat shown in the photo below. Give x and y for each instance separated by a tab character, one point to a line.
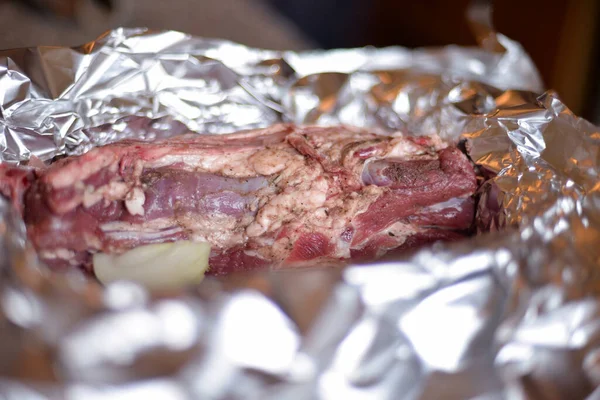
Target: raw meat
282	197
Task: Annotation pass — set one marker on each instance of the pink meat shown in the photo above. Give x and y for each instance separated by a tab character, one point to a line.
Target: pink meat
310	246
414	185
280	197
13	184
234	260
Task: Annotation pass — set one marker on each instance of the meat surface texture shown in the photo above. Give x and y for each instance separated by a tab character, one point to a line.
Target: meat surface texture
285	196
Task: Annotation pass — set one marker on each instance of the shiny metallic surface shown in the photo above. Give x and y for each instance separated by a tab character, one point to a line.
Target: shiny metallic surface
511	313
54	99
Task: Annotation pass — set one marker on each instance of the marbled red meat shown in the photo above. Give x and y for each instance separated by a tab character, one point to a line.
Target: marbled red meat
280	197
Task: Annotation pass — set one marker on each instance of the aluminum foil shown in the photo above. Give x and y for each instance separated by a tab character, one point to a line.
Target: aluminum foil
511	313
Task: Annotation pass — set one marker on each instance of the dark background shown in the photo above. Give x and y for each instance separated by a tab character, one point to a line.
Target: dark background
560	35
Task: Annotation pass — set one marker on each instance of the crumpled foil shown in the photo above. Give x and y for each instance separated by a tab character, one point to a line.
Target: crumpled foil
511	313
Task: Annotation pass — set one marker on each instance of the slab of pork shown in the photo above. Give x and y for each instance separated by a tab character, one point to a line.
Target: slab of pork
281	197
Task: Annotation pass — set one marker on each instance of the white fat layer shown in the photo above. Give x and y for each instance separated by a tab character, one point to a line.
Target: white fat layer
140	234
134	202
401	232
150	226
64	254
91	197
308	195
112	191
401	229
222	231
79	171
234	164
403	148
452	203
272	161
219	229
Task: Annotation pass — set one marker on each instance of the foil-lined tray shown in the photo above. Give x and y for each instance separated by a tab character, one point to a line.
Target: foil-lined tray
511	313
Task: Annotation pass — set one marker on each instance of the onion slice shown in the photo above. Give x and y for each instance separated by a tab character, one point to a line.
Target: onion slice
156	266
